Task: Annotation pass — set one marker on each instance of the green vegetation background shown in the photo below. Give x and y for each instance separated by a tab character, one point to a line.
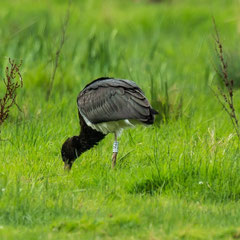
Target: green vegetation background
176	180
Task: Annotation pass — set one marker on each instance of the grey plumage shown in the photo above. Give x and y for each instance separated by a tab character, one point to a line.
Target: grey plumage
108	99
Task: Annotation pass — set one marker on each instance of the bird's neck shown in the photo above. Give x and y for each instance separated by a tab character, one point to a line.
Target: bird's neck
87	139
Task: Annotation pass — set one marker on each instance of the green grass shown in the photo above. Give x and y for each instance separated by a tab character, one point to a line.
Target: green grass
178	179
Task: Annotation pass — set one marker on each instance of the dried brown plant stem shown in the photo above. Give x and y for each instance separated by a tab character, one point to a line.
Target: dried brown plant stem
12	81
57	55
225	96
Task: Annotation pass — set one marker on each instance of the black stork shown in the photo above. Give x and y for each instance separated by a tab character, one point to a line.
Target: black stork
106	105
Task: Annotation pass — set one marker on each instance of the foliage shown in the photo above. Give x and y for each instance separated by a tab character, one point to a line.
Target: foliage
178	180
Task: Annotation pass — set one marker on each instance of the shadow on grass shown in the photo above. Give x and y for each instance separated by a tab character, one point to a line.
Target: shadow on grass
190	187
150	186
111	225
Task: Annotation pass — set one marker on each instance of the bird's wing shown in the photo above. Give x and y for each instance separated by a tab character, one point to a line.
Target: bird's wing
111	103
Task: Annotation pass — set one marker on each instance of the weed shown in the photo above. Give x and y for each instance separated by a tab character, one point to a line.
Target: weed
63	38
11	85
225	96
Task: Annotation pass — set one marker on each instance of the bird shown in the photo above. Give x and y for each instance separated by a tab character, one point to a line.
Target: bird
106	105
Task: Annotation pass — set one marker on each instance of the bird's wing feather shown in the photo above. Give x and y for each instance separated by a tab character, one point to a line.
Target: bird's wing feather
112	102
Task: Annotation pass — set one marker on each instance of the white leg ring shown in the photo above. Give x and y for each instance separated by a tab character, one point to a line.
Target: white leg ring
115	146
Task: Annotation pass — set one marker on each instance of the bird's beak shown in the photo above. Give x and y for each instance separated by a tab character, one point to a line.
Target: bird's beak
67	166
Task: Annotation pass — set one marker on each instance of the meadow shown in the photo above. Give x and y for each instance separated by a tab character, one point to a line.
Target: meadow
178	179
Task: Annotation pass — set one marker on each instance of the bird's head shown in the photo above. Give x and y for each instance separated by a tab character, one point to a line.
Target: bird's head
70	151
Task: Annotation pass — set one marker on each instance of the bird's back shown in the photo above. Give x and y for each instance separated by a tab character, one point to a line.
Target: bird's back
110	82
108	99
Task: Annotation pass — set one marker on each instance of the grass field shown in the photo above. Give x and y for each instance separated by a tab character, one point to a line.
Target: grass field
179	179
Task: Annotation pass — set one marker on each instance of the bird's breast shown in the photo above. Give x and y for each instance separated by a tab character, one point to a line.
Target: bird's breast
111	126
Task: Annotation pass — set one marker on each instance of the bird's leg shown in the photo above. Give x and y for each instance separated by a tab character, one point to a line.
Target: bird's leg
115	151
